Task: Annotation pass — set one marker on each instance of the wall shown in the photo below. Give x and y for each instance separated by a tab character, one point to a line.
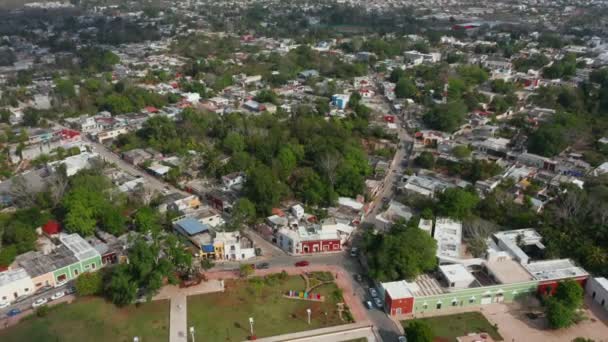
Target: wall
320	246
597	292
21	287
44	280
474	296
405	304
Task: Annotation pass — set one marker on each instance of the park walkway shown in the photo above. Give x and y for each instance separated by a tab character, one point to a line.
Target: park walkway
344	332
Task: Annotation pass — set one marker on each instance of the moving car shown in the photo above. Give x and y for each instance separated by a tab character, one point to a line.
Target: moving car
39	302
378	303
373	292
262	266
58	295
302	263
13	312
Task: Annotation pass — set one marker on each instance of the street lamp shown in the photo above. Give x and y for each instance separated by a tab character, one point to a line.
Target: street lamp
192	333
308	311
251	326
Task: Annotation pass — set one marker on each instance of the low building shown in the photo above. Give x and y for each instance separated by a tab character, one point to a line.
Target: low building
14	284
136	156
448	234
234	179
397	297
234	246
597	288
340	101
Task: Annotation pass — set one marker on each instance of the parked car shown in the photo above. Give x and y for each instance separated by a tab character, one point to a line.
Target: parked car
401	339
369	304
373	292
58	295
378	302
302	263
39	302
70	290
358	278
354	251
262	266
13	312
4	305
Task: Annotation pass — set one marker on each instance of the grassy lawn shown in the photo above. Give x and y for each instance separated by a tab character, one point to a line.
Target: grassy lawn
92	320
225	316
447	328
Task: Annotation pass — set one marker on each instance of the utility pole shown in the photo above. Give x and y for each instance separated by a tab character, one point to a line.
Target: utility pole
192	333
308	311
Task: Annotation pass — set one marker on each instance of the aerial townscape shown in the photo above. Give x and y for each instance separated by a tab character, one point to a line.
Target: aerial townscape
314	171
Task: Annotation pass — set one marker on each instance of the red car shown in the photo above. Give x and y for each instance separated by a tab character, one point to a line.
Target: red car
302	263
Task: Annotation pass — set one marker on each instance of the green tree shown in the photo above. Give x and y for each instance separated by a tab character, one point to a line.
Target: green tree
121	289
446	117
404	253
287	162
570	293
112	221
7	255
405	88
147	220
558	314
233	142
457	203
243	211
245	270
80	219
418	331
425	160
461	151
89	283
263	188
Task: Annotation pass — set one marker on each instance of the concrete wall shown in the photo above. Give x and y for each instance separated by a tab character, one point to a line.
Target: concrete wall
474	296
597	292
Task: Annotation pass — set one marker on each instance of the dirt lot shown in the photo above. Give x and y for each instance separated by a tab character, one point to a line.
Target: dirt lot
514	325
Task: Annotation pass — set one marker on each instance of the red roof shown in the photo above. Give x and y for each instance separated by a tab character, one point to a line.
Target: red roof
69	133
278	212
151	109
51	227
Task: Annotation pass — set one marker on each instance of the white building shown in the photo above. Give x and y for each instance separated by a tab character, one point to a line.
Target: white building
597	288
234	248
448	234
457	276
15	283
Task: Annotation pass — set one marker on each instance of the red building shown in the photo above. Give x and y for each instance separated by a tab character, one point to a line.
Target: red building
398	299
52	227
320	246
550	286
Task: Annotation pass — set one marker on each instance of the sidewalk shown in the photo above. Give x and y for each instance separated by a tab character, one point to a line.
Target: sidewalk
178	320
344	332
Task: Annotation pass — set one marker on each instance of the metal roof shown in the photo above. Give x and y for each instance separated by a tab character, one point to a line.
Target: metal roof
191	226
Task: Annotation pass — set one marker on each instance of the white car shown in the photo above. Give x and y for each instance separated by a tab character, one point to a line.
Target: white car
39	302
58	295
4	305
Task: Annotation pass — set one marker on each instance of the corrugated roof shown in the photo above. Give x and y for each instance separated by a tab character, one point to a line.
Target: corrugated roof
191	226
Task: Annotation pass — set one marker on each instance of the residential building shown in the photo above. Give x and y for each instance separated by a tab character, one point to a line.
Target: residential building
235	247
233	180
14	284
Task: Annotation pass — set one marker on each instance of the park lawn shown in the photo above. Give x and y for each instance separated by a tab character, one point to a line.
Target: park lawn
92	319
225	316
447	328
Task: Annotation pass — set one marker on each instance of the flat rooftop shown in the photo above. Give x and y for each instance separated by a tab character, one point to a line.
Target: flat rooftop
508	271
80	247
10	276
36	263
555	269
448	234
397	289
456	273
